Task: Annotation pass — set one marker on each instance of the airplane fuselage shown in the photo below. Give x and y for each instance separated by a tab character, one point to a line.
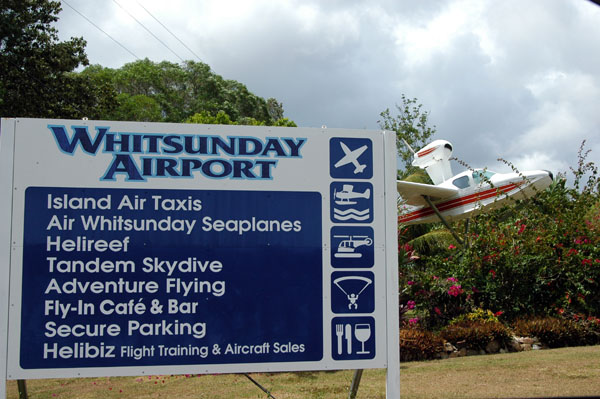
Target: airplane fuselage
476	193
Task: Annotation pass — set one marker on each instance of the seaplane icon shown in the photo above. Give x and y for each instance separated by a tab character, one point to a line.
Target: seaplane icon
348	195
351	156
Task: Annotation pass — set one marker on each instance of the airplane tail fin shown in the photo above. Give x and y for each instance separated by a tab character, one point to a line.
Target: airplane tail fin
366	194
359	169
435	159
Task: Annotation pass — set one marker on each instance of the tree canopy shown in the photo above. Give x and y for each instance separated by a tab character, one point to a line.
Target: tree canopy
170	92
36	78
411	124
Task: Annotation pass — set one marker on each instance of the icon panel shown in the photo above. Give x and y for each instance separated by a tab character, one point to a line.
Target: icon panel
352	292
351	202
350	158
353	338
352	247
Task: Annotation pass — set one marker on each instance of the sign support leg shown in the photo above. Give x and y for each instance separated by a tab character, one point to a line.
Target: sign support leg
355	383
265	390
22	387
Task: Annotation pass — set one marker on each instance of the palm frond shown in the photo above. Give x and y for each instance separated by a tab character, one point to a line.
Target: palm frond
432	241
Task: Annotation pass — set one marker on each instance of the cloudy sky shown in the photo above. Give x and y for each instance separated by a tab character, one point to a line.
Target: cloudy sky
518	79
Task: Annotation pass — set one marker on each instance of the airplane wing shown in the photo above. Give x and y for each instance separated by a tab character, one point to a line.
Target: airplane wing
413	193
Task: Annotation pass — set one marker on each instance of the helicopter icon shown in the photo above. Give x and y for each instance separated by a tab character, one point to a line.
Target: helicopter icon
347	247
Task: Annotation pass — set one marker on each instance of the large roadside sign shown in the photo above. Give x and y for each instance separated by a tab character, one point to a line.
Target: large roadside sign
148	248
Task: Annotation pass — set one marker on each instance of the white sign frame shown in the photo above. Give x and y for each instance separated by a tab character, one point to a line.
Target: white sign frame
13	168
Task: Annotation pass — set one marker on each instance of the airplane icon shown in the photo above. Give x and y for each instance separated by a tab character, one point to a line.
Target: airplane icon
351	156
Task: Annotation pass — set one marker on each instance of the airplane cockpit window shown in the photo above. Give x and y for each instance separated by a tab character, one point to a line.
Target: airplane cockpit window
461	182
482	176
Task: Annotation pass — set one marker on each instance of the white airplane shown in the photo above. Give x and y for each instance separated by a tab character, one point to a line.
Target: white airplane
352	157
458	197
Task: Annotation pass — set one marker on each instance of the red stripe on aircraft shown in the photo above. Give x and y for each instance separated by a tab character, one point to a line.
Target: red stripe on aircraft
429	151
461	201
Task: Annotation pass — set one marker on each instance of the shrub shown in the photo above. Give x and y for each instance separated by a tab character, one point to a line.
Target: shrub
475	334
478	315
538	257
436	299
418	344
552	331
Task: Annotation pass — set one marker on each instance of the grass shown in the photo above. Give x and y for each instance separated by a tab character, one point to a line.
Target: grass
302	385
550	373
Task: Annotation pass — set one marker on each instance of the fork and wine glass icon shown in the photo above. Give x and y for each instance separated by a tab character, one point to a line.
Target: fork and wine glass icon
362	332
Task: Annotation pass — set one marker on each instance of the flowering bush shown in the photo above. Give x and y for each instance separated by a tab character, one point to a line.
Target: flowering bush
539	257
436	299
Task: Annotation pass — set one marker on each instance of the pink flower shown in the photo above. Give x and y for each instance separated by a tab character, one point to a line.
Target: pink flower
414	321
436	277
521	229
586	262
452	279
493	273
437	310
411	304
455	290
572	251
451	246
498	313
410	282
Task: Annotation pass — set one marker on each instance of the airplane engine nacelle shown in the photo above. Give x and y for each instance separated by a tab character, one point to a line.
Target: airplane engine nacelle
435	159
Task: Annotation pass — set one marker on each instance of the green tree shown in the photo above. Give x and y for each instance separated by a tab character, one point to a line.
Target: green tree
36	78
138	107
180	91
205	118
275	109
411	124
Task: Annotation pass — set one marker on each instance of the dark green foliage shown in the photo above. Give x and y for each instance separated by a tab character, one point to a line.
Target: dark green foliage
476	334
169	92
418	344
36	78
411	124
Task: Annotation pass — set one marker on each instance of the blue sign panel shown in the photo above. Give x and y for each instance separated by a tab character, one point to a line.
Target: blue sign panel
351	202
353	338
352	292
351	158
352	247
128	277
